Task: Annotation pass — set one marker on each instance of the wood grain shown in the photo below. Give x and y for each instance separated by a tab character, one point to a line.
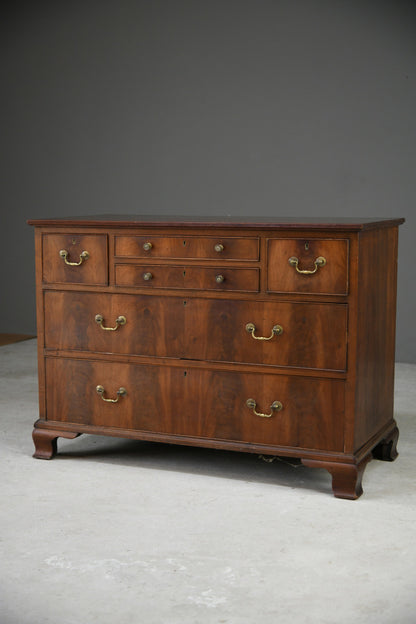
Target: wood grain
188	277
179	327
94	270
236	248
197	402
331	278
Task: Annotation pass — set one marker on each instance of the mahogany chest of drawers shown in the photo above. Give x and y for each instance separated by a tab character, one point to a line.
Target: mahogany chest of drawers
267	336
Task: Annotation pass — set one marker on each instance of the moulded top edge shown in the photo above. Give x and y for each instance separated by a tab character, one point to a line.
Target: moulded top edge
227	221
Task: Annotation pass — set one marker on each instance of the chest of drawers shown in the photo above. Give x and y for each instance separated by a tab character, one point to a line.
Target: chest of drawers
265	336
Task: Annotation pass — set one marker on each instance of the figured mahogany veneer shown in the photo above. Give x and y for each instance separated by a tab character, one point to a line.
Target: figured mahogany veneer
221	278
264	336
189	247
94	273
199	329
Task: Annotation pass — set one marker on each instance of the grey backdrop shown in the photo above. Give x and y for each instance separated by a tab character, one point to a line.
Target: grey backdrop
293	107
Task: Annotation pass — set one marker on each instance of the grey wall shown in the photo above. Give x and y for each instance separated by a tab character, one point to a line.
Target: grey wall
293	107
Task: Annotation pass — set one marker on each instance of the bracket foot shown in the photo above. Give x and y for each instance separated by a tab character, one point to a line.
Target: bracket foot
45	441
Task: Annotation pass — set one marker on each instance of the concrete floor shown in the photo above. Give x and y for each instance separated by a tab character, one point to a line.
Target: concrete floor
124	532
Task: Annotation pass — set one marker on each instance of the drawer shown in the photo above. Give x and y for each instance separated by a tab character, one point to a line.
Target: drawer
152	325
75	258
199	329
193	277
222	330
298	265
207	247
288	411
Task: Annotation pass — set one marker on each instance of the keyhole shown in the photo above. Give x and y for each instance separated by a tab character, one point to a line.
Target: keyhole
184	373
184	303
184	273
307	245
74	242
184	243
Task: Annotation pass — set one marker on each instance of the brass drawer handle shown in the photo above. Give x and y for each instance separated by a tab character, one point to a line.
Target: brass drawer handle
121	392
219	279
219	247
276	331
120	320
147	246
276	406
84	255
319	262
147	276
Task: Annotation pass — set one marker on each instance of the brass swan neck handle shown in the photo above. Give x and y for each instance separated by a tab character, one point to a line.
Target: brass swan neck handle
319	262
84	255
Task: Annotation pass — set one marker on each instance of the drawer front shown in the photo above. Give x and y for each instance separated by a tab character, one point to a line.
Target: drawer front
307	266
223	331
75	259
192	277
199	329
152	325
207	247
200	403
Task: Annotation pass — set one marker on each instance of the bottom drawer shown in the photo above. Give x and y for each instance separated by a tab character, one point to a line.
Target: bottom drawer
177	400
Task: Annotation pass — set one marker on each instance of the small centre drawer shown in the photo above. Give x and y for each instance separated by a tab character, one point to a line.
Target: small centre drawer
192	277
196	247
75	259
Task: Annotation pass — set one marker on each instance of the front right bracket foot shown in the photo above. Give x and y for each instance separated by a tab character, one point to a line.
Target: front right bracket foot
346	478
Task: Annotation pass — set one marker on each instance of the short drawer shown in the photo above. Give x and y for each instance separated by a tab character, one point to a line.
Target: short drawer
192	277
204	247
75	259
185	401
307	266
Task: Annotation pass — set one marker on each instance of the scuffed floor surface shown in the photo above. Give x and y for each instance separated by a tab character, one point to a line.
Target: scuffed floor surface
122	532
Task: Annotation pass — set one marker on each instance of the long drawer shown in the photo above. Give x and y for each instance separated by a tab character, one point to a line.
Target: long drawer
307	335
185	401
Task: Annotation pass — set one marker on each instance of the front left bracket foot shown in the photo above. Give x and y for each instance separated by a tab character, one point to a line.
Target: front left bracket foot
45	441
